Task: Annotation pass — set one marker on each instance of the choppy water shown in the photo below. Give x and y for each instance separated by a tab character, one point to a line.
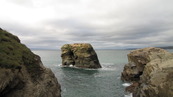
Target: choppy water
75	82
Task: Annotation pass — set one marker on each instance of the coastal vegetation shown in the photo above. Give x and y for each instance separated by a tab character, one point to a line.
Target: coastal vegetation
14	54
21	69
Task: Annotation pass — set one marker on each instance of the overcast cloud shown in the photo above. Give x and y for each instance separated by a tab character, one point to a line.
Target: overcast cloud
106	24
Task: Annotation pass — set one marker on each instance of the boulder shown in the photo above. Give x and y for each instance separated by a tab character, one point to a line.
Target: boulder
22	73
79	55
152	69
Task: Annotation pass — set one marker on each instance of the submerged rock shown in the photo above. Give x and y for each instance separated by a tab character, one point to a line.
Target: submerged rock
22	73
151	71
79	55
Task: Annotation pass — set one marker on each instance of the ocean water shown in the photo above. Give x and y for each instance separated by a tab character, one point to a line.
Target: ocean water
76	82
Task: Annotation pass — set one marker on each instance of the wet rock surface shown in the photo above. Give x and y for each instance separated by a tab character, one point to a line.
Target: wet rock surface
151	72
79	55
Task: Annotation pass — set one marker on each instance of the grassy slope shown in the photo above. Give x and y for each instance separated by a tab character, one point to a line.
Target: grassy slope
13	54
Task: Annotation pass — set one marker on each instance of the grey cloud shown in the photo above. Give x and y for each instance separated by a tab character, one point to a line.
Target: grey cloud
76	29
129	24
19	29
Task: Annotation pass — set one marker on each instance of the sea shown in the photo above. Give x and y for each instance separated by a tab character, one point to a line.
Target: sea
77	82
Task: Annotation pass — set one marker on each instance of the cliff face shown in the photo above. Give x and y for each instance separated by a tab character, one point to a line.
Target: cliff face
151	71
79	55
22	73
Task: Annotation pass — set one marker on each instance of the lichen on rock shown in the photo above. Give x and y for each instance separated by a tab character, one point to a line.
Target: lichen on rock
151	71
22	73
80	55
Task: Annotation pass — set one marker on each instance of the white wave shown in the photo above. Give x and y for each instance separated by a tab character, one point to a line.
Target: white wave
73	66
59	65
56	65
105	67
126	84
108	67
128	95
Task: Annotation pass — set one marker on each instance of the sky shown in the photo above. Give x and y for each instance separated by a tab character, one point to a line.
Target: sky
106	24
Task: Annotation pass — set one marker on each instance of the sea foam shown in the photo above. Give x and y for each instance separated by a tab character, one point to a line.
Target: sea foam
126	84
128	95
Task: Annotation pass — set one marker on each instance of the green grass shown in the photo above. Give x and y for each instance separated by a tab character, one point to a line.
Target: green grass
13	54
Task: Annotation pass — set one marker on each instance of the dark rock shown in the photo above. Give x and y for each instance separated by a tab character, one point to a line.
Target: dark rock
132	87
79	55
152	70
22	73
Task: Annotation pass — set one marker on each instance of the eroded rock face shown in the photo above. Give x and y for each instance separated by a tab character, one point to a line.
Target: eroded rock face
79	55
152	69
22	73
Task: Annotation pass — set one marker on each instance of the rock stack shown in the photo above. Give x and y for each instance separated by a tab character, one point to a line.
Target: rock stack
79	55
151	72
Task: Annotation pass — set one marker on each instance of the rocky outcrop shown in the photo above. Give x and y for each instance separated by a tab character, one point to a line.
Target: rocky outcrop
22	73
151	71
79	55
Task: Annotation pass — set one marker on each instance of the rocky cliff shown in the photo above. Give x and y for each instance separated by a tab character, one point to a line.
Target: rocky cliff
79	55
22	73
151	71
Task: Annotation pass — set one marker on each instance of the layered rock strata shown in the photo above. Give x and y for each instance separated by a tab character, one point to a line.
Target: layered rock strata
22	73
80	55
151	71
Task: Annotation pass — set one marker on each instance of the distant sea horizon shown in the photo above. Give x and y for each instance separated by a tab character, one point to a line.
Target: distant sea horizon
130	48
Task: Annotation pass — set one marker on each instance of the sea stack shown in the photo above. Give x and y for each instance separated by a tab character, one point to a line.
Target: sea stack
151	72
79	55
22	73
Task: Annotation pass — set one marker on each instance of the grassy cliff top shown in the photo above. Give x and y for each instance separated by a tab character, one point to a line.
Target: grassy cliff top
14	55
10	50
